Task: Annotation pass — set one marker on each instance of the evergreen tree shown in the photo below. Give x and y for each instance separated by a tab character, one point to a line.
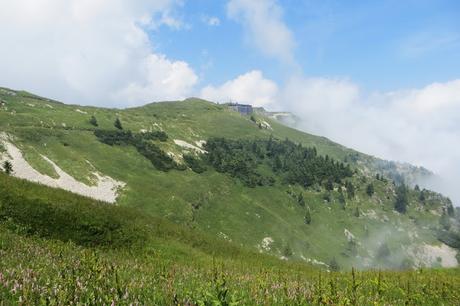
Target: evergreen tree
301	200
444	221
450	208
357	213
329	184
350	190
8	167
383	251
370	190
287	251
278	163
93	121
333	265
422	197
417	188
401	199
342	200
117	124
307	216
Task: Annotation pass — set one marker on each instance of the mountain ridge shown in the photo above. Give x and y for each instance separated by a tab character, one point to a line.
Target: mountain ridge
270	219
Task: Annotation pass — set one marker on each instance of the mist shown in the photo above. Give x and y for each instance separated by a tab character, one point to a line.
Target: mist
420	126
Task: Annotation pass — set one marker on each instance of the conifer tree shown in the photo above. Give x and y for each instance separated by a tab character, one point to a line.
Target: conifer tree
8	167
401	199
370	190
93	121
301	200
307	216
117	124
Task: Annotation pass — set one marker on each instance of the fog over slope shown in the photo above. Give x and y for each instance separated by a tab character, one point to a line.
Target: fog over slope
419	126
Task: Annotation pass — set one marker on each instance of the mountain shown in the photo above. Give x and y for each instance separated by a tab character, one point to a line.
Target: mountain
191	203
249	180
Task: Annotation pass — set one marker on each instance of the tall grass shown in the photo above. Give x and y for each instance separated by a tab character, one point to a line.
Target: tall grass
57	248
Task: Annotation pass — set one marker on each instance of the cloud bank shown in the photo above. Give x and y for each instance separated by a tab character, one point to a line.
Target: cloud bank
419	125
90	51
264	27
250	88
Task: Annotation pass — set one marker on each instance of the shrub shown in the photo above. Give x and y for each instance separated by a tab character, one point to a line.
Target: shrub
117	124
93	121
196	164
8	167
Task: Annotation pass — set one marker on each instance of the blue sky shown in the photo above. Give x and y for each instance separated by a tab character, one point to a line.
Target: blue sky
381	45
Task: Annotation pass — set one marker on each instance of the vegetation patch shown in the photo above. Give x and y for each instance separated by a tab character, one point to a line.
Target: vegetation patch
143	142
291	162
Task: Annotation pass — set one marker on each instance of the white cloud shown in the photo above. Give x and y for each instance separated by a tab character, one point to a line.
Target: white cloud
421	126
250	88
89	51
265	27
211	21
162	79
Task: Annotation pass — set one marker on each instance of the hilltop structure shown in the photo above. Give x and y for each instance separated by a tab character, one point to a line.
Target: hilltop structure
244	109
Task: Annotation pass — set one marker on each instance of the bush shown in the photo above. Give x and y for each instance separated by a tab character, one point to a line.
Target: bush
196	164
117	124
8	167
93	121
144	145
370	190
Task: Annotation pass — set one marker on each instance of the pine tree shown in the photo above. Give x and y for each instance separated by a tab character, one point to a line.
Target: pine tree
93	121
287	252
450	208
444	221
301	200
342	200
401	199
357	213
422	197
117	124
383	251
307	216
333	265
350	189
370	190
8	167
329	185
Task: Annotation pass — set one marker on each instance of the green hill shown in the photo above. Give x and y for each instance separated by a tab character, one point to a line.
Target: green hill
58	248
205	167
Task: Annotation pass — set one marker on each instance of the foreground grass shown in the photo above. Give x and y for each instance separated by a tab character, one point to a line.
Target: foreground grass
35	271
57	248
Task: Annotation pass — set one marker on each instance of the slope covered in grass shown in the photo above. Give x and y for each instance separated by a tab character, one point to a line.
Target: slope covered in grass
111	255
346	224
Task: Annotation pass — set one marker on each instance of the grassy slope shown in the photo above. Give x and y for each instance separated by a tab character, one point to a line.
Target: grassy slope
227	208
156	262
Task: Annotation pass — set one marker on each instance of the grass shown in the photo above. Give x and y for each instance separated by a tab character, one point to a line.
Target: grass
212	202
148	260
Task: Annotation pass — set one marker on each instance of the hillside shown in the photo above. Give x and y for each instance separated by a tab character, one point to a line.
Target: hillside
153	165
58	248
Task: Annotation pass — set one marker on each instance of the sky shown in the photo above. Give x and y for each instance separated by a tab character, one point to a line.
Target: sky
382	77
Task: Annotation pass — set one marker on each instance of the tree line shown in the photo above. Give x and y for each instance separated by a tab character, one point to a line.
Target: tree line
292	163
